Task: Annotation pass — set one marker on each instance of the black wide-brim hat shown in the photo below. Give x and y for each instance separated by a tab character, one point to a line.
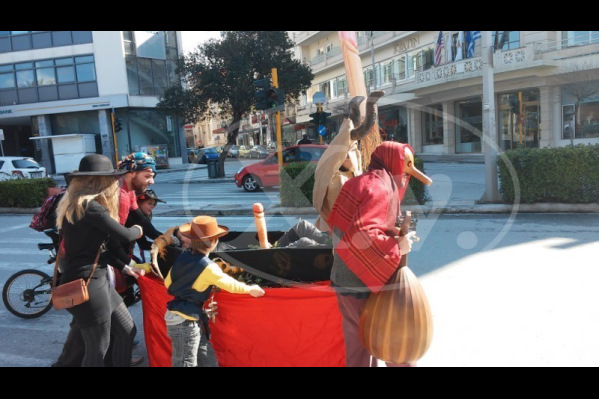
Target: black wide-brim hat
96	165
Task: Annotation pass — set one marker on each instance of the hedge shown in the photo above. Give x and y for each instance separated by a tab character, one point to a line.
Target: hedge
564	174
297	184
24	193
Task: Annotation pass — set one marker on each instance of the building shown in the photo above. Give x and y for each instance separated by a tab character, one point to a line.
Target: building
59	83
546	86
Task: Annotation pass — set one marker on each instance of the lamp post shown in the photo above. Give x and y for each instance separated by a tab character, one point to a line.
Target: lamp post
490	138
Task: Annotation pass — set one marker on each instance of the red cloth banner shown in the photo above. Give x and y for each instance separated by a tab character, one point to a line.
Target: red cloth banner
154	298
287	327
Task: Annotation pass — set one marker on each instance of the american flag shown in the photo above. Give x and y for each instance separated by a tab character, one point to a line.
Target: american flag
439	49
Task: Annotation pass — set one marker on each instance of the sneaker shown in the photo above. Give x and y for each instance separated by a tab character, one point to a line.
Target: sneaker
136	360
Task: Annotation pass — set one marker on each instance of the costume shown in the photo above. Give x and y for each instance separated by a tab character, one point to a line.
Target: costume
190	281
328	179
367	253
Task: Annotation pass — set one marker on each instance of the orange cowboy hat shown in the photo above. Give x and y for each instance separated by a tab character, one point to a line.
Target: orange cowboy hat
203	228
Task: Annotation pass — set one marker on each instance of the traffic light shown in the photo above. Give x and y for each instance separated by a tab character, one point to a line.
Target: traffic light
315	118
276	97
324	118
117	125
262	94
268	96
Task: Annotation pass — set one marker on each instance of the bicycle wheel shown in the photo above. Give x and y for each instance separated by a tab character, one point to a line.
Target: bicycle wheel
27	293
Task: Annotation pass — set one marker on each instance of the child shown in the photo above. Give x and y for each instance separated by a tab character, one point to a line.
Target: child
146	202
190	281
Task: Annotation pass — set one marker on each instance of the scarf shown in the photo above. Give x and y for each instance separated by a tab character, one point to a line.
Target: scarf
366	211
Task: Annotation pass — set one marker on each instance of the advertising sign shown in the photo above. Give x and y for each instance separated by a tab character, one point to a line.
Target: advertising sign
158	152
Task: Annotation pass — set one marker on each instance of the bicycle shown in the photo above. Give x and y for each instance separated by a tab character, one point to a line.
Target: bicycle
27	293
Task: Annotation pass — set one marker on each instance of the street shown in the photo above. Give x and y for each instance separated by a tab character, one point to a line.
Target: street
505	290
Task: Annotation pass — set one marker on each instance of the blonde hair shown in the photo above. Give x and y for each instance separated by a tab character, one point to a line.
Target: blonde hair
203	246
83	189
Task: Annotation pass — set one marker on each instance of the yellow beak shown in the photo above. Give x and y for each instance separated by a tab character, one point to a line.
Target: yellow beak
411	169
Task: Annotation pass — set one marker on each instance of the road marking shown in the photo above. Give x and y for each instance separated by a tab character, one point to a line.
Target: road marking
13	228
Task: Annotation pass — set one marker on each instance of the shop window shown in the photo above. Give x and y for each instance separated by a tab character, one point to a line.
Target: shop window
469	125
432	124
519	119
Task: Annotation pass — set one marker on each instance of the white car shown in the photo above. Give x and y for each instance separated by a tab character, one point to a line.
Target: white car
21	168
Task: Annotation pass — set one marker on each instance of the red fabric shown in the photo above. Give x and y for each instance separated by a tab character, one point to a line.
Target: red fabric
128	202
366	210
287	327
154	298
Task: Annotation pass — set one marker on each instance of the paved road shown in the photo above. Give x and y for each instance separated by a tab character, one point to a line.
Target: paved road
504	290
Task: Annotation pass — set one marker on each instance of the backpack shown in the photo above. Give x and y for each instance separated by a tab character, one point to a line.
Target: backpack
46	217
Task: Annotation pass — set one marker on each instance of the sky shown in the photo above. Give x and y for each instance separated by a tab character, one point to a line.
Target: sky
191	39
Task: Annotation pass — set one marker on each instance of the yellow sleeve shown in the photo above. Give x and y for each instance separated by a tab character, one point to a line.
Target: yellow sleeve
213	275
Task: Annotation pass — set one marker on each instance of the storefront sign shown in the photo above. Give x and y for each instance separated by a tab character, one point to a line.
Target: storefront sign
405	45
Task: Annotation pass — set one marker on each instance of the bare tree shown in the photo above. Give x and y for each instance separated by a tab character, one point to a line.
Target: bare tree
578	81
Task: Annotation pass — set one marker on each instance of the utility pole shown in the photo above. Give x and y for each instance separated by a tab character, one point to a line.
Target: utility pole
116	153
275	83
489	139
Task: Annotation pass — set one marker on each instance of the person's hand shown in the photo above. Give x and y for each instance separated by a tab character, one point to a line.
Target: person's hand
145	267
133	271
141	231
405	242
256	291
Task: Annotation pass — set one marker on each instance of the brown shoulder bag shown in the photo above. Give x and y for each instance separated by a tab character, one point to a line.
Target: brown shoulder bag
72	293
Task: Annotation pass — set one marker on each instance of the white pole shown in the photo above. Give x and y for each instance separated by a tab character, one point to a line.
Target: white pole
490	138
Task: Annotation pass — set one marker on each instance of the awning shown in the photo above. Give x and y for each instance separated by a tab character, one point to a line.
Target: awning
302	118
219	130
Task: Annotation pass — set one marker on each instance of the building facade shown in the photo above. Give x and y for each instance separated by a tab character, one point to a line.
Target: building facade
546	86
59	83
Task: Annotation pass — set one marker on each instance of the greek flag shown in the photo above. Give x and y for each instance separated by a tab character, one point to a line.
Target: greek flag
471	38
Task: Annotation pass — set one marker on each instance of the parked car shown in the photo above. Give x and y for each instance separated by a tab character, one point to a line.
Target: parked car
258	151
244	151
266	173
21	168
208	153
233	152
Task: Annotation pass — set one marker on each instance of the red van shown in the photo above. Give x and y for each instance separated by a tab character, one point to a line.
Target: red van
266	173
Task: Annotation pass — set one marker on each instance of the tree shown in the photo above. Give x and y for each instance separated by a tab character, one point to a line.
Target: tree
219	78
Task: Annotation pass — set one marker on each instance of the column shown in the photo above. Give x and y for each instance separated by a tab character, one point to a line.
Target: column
45	129
106	136
449	128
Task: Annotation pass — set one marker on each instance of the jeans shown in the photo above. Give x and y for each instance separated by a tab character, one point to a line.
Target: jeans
190	344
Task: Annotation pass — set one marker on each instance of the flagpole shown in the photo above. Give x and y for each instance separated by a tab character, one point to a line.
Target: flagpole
489	137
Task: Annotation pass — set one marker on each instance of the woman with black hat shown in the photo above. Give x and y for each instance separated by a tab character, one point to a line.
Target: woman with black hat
88	218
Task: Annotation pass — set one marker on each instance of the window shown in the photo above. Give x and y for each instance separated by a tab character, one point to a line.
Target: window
469	124
432	124
48	80
26	40
580	38
25	163
506	40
